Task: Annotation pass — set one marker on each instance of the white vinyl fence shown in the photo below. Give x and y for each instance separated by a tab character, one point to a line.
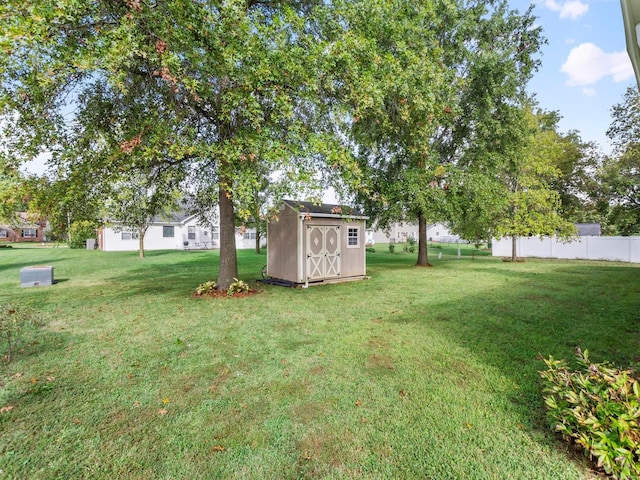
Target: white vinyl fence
620	249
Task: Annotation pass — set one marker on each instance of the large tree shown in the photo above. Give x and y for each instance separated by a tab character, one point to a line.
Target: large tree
196	86
430	80
532	206
619	176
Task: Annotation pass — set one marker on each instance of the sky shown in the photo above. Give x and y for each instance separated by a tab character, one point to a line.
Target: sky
585	68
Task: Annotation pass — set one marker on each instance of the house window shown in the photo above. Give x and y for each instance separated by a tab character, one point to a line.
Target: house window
249	235
4	234
29	233
191	233
353	237
167	231
129	235
214	233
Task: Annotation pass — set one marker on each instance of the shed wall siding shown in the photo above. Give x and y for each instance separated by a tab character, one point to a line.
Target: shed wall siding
282	239
352	260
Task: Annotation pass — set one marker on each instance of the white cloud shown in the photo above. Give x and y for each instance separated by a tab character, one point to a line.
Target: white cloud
569	9
587	64
589	92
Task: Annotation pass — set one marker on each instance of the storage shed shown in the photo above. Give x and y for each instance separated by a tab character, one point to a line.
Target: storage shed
310	244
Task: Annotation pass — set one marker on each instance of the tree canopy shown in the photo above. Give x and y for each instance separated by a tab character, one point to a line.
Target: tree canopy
435	85
205	88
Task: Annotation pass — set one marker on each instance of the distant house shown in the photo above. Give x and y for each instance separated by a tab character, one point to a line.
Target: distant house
311	244
25	230
179	231
401	232
589	229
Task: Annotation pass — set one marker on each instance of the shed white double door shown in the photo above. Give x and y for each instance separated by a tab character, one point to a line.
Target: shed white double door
323	251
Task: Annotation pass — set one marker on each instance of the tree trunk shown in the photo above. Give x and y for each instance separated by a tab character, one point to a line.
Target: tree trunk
141	232
514	256
423	259
228	269
258	239
256	219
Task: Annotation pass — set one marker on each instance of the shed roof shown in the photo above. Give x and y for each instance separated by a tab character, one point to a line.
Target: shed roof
324	210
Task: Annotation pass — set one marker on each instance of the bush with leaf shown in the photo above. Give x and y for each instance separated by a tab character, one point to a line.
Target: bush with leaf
596	406
238	286
206	288
80	231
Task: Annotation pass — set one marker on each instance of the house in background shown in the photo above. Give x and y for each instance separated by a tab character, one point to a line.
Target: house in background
401	232
25	230
177	232
314	244
589	229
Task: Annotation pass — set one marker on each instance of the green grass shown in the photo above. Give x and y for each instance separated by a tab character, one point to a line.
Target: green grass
414	373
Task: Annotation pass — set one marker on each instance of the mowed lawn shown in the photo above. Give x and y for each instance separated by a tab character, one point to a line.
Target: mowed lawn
414	373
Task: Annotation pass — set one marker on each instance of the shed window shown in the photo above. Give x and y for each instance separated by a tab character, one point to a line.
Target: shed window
29	233
191	233
353	237
4	234
167	231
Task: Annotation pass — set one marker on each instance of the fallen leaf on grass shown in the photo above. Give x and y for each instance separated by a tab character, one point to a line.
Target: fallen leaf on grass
6	409
136	403
162	412
358	403
217	448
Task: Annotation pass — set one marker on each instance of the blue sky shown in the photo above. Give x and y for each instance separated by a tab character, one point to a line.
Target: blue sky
585	67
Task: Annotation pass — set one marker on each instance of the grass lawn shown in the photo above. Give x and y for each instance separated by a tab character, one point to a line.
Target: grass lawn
414	373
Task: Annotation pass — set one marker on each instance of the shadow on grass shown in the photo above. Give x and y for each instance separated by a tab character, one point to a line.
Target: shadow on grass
541	314
18	266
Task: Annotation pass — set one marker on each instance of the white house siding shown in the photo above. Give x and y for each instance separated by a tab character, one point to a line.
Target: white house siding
622	249
401	231
204	238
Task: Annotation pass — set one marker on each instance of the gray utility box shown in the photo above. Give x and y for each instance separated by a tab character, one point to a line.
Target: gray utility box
36	276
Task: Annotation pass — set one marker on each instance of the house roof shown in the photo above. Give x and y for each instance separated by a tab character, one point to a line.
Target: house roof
324	210
24	220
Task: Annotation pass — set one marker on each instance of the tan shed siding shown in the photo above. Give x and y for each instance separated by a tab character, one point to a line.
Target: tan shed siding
282	240
353	259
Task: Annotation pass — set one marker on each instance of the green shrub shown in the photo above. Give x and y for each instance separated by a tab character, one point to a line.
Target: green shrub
598	408
392	248
371	250
238	286
13	322
80	231
206	288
